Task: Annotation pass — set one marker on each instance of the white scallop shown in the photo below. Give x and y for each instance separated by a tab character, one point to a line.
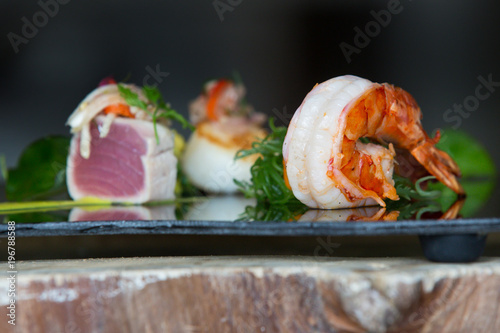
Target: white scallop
211	166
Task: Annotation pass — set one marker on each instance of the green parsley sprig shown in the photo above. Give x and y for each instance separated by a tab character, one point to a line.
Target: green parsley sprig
413	199
275	201
409	191
267	182
159	108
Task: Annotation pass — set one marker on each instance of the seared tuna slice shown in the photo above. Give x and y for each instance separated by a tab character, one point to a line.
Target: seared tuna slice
126	166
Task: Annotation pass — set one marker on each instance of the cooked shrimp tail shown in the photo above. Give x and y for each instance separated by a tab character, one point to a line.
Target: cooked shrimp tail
454	209
439	164
401	125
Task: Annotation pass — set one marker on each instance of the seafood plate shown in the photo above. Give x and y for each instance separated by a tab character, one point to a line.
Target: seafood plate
343	149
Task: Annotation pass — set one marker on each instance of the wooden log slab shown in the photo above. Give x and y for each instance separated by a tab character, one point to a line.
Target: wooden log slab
254	294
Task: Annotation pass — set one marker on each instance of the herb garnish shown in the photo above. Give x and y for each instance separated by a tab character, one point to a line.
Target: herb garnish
413	200
409	191
267	182
275	201
159	108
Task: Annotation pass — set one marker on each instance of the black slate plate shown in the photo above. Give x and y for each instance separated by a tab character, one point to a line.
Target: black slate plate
229	228
453	240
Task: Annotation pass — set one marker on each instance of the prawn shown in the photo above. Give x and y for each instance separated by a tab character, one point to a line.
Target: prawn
327	166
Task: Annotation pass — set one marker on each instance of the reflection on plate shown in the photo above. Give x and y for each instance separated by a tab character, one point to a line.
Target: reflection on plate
233	207
219	208
345	215
123	213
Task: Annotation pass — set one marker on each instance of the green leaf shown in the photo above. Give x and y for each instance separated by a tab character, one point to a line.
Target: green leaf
478	193
41	170
267	182
173	115
131	98
161	109
470	155
152	93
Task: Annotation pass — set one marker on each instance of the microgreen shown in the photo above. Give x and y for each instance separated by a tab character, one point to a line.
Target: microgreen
275	201
131	98
267	181
413	199
409	191
155	106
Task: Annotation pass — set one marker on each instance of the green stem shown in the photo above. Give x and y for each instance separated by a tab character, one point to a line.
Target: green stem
45	206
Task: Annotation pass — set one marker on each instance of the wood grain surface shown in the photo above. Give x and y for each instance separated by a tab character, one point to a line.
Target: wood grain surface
254	294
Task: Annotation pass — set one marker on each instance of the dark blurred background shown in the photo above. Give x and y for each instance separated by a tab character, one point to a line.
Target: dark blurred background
434	49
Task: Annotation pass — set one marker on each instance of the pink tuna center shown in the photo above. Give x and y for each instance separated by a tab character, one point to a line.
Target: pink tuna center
114	168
